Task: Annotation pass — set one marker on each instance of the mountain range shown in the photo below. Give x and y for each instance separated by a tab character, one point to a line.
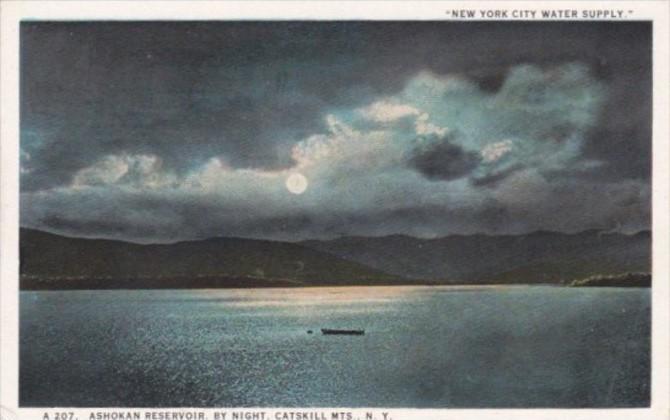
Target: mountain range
50	261
538	257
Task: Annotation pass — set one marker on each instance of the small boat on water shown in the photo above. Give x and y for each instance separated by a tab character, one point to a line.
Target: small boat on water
328	331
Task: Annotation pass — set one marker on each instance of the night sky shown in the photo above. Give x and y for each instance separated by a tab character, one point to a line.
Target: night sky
165	131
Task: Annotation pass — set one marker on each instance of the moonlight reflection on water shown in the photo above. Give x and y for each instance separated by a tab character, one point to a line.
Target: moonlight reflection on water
515	346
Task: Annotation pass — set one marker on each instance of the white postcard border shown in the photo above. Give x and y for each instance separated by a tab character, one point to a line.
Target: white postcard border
12	12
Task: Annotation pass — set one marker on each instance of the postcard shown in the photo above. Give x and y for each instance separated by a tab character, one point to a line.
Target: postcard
334	210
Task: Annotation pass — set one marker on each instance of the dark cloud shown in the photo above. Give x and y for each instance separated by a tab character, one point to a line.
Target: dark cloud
187	91
623	142
99	228
244	93
173	219
494	178
156	218
489	80
440	159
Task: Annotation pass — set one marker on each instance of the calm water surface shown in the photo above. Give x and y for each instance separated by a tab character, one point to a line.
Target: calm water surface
515	346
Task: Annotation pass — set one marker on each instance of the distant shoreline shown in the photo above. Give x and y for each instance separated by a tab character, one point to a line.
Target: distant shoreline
620	280
628	280
186	282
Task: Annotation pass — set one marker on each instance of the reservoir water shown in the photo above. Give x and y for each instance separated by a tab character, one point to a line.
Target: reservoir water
437	347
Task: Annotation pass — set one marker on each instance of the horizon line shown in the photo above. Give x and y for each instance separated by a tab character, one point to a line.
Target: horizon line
202	239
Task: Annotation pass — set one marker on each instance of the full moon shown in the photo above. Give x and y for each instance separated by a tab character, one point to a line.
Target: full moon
296	183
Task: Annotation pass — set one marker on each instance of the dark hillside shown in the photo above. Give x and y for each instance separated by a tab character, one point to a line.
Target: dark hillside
59	259
536	257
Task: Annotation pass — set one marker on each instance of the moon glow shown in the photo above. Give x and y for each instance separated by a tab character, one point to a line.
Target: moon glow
296	183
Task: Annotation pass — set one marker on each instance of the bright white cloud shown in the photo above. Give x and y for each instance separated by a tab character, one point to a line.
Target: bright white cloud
387	110
495	151
136	170
345	148
424	127
106	171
